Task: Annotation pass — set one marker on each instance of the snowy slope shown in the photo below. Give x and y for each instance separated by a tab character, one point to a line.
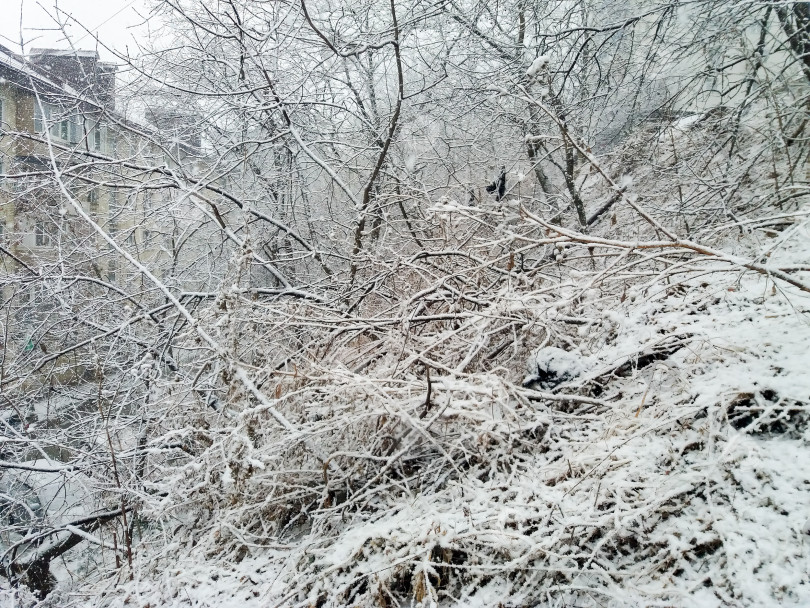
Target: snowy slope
682	480
666	464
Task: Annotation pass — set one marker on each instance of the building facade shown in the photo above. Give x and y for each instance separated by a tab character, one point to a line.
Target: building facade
63	145
62	142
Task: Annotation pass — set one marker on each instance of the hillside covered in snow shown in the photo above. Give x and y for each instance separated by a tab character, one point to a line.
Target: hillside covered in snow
386	380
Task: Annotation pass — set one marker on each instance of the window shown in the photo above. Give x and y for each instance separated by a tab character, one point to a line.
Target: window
41	236
43	113
66	128
69	129
6	183
41	119
75	129
131	238
75	188
97	138
112	267
2	229
1	114
92	199
112	226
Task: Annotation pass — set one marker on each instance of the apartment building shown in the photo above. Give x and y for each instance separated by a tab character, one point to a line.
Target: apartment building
60	137
62	142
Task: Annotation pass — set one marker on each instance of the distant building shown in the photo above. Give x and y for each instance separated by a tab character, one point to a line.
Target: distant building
57	116
62	141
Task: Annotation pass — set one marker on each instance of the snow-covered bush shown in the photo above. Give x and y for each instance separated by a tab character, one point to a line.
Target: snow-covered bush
590	391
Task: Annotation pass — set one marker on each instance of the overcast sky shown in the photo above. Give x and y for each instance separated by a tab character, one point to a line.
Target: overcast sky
115	22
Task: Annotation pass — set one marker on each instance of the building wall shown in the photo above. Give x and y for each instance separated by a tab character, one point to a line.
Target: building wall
25	208
9	101
8	106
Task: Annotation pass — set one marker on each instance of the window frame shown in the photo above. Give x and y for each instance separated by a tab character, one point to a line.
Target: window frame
42	238
41	119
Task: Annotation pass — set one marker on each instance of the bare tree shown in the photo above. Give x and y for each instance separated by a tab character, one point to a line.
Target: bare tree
260	295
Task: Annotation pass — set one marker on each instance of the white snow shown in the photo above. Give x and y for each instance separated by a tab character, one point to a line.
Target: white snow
540	63
553	364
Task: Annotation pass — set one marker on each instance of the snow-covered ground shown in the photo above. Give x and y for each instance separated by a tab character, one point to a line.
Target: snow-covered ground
681	478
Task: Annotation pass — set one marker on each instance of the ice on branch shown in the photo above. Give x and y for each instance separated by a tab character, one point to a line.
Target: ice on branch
539	64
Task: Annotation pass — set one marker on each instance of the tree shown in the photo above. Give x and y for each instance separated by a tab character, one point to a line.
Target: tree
320	310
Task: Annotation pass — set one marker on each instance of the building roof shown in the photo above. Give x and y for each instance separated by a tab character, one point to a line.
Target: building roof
16	68
63	53
27	74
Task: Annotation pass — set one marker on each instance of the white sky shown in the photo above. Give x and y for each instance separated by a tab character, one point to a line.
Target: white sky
115	22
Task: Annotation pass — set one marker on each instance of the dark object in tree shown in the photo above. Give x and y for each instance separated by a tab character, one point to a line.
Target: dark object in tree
428	403
499	185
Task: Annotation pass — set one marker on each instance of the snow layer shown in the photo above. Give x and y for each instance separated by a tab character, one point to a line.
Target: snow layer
688	487
540	63
549	366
